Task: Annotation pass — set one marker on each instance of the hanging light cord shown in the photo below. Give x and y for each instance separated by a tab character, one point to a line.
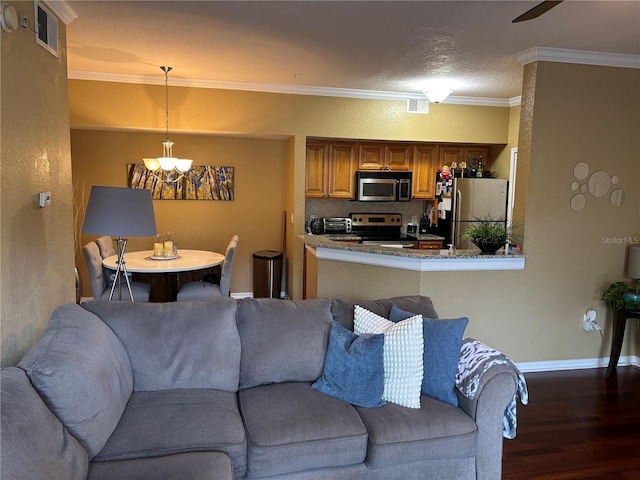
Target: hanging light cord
166	71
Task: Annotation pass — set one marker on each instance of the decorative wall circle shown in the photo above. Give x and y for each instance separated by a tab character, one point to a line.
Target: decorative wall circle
578	202
599	183
581	170
617	197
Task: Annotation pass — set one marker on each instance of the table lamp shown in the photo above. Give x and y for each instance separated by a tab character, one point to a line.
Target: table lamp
632	299
120	212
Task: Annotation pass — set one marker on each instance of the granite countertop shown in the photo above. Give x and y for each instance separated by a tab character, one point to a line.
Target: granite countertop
333	242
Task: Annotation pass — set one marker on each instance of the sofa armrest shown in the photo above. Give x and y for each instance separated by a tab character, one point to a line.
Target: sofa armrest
498	386
490	382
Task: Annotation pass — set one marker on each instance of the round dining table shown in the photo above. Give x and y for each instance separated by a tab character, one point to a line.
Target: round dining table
166	275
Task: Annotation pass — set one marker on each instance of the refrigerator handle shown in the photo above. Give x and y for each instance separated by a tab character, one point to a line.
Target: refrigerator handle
456	217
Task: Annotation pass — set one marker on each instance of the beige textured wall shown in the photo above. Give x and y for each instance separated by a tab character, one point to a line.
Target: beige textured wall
101	157
103	105
36	250
536	314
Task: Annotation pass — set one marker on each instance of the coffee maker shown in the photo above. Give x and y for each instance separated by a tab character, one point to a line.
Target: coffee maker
425	223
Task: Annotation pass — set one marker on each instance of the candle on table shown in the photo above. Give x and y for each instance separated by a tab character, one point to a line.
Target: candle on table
157	249
168	249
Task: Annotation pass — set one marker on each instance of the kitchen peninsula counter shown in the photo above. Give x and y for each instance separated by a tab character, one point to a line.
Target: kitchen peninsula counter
338	248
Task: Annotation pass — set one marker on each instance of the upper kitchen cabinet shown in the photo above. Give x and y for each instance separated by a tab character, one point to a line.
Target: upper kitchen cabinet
462	153
425	165
330	170
384	156
316	172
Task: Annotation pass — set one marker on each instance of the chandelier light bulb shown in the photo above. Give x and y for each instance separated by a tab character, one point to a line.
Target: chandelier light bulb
183	164
151	164
167	163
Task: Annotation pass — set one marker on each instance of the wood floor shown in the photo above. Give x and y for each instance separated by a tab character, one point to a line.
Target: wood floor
577	425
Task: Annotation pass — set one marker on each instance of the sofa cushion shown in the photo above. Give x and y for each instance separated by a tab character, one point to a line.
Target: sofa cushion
402	355
353	368
435	431
176	344
342	310
442	343
282	340
291	428
34	442
175	421
187	466
81	370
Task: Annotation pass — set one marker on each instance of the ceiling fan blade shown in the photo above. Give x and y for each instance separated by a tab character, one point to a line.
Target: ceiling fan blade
537	10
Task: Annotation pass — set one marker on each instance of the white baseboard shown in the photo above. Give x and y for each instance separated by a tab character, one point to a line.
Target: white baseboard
577	364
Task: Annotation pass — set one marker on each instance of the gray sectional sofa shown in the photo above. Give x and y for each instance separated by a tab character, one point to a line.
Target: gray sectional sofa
221	389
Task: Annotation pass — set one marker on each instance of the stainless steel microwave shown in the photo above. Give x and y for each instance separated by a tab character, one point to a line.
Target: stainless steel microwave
383	186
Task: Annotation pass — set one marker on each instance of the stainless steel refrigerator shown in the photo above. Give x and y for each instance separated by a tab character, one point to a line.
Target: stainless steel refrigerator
473	198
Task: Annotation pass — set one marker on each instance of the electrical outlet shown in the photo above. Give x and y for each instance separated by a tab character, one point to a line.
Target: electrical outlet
589	323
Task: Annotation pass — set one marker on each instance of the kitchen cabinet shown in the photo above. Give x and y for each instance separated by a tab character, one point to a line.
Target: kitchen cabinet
316	177
342	170
462	153
430	245
330	170
385	156
424	172
331	164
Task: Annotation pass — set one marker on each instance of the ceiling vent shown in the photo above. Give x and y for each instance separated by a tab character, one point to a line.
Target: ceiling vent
415	105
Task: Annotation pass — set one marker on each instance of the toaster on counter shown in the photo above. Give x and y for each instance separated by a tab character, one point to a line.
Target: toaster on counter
337	225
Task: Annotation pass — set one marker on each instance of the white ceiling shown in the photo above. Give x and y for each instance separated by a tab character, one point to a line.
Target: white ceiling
349	48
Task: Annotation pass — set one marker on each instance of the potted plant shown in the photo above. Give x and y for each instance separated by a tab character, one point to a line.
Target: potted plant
621	295
490	234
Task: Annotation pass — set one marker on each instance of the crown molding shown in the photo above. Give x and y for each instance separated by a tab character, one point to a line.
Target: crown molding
578	56
62	10
284	89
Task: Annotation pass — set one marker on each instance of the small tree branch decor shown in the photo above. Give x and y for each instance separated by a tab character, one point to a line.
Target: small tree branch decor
79	207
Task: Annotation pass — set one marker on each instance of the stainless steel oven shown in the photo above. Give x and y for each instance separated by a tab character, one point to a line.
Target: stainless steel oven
381	229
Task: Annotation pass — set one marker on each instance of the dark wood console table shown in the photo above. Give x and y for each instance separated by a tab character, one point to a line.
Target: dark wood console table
619	322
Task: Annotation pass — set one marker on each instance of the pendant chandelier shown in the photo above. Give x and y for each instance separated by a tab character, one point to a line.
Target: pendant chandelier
167	168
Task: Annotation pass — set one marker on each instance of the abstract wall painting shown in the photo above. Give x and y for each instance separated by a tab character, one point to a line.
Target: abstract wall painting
202	182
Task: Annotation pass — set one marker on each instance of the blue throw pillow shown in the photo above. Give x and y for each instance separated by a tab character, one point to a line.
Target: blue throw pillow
353	368
442	342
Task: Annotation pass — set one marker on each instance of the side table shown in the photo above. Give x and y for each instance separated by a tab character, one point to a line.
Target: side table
619	322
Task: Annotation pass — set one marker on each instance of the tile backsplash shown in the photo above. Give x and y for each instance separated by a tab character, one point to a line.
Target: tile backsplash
342	208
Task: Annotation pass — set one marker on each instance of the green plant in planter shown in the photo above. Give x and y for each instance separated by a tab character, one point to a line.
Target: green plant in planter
490	234
621	295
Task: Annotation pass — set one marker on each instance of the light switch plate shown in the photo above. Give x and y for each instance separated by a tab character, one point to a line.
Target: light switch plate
45	199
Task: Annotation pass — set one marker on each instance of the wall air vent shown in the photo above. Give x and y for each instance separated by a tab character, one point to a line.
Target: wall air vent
418	106
46	29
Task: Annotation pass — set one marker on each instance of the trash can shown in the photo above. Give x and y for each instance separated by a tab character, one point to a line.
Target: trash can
267	274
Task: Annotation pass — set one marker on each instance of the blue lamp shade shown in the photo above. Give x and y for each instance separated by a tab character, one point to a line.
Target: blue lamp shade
119	212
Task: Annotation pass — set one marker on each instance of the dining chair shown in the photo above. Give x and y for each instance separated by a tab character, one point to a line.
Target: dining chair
105	244
99	284
202	290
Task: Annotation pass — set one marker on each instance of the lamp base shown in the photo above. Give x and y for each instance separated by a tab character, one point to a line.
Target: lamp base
121	271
